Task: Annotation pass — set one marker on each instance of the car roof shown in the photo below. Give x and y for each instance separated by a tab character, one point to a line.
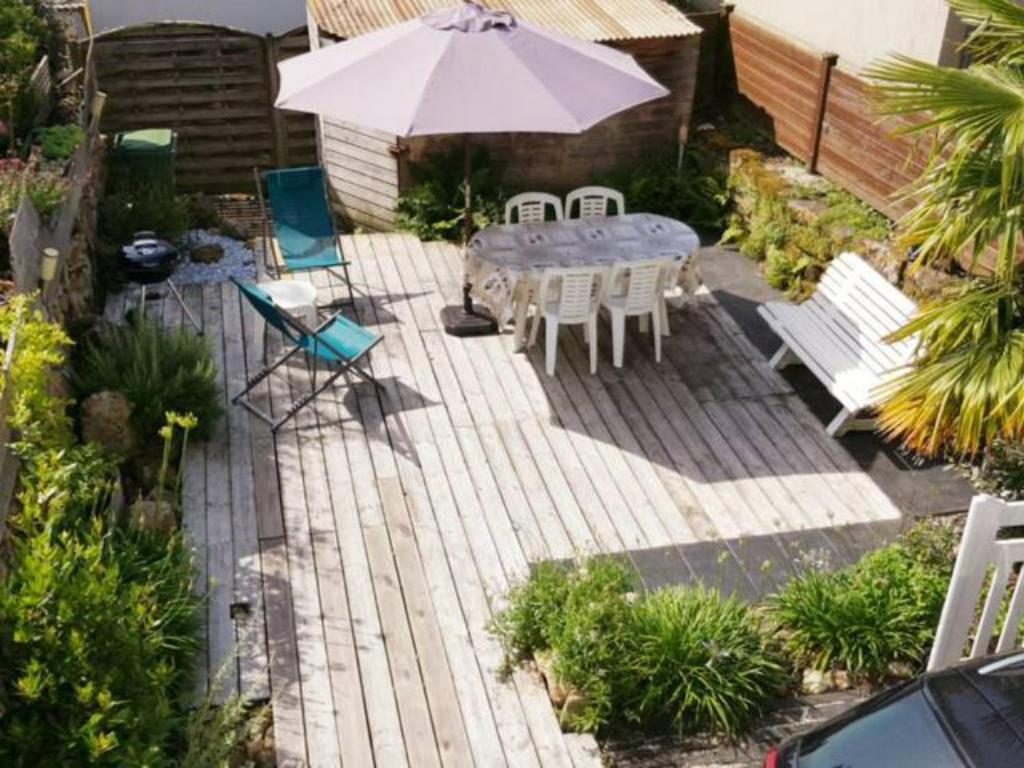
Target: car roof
982	705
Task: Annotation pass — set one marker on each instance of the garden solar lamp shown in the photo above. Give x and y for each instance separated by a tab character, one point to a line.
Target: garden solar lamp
466	70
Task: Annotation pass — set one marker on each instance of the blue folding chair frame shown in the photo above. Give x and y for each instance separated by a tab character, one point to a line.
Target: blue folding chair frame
337	341
297	217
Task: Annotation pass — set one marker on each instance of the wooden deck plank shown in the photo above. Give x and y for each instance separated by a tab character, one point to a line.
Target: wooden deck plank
547	737
357	506
285	689
219	534
672	501
317	698
250	624
193	512
653	509
440	535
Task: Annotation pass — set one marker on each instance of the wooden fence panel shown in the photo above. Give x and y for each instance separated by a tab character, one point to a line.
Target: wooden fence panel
862	153
216	88
824	116
779	78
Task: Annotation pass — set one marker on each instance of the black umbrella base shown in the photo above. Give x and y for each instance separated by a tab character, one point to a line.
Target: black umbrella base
458	322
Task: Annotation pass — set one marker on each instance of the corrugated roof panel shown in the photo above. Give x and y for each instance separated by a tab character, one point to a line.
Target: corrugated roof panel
589	19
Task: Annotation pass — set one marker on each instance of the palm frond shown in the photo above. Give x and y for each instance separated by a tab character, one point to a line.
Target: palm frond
998	28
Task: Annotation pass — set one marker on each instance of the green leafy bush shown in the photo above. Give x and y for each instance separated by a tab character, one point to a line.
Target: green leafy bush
158	370
59	142
38	414
699	662
1002	470
881	611
44	186
694	190
432	208
97	623
688	659
22	32
123	213
795	230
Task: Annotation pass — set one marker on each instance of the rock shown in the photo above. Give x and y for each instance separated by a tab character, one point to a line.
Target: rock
106	420
885	259
841	680
575	705
154	516
210	253
902	670
557	691
815	681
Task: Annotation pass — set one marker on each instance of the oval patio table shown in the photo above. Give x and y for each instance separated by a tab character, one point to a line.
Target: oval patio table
503	260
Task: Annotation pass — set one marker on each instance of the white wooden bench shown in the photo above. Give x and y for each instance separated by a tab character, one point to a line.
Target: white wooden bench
839	335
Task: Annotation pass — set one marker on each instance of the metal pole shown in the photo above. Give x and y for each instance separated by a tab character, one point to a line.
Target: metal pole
467	220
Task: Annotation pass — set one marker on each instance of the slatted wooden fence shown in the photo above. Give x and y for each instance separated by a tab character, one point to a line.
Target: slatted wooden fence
823	115
216	88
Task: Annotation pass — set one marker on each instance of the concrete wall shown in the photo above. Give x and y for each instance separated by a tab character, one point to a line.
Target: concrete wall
861	31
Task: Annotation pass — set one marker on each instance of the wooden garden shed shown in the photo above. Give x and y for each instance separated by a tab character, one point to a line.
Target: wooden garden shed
369	169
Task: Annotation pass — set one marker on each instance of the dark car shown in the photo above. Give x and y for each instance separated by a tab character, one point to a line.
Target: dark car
970	715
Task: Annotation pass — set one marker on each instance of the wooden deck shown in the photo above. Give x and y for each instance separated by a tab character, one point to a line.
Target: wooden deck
357	558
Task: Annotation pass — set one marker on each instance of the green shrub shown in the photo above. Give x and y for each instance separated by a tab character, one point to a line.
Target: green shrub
581	615
158	370
432	208
681	658
44	186
698	662
22	32
795	242
865	618
123	213
1002	470
694	191
59	142
97	625
37	413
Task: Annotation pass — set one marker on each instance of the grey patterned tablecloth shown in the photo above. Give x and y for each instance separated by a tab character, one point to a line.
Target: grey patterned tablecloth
499	257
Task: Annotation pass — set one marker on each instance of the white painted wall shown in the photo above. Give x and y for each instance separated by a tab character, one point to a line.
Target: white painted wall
861	31
257	16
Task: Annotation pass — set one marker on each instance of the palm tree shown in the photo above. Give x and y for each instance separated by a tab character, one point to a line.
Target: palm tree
967	387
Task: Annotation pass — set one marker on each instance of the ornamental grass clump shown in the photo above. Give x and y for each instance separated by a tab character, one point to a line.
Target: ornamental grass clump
159	370
685	659
872	618
699	662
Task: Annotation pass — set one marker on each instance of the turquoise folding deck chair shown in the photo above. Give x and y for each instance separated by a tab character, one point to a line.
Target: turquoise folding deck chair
338	342
298	225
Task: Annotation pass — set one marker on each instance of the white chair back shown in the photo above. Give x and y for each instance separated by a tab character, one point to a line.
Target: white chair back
579	291
644	284
593	201
532	208
979	586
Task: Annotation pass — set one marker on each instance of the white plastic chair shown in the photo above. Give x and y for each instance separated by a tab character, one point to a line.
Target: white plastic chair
577	304
531	208
643	297
593	201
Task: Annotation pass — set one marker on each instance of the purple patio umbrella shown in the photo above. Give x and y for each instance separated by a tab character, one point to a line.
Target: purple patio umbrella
466	70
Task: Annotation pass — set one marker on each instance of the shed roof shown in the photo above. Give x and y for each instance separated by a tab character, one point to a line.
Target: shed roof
589	19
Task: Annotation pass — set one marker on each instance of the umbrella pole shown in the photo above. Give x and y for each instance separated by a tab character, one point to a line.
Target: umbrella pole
467	220
465	319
